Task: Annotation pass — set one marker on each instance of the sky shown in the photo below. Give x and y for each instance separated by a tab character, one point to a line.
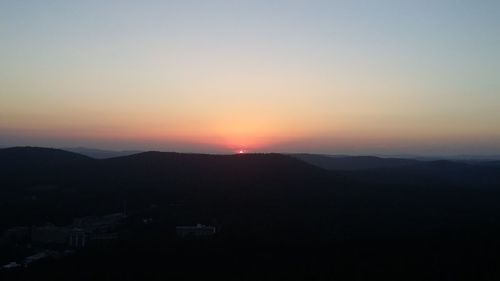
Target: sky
355	77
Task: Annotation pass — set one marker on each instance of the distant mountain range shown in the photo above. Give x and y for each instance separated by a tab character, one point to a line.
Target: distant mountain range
353	163
100	153
323	196
388	160
31	165
292	205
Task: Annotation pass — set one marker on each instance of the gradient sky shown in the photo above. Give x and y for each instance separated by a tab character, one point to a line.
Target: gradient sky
378	77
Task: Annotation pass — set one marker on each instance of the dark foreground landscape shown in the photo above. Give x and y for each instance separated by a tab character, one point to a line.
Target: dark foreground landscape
66	216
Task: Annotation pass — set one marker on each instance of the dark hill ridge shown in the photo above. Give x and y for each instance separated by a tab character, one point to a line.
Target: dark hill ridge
243	164
354	163
99	153
39	154
64	185
211	171
377	170
269	207
249	193
491	164
25	166
32	166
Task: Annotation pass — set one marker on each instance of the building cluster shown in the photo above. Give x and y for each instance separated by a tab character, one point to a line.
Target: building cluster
56	241
77	235
50	241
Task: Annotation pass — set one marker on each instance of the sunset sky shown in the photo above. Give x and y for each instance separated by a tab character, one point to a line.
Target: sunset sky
357	77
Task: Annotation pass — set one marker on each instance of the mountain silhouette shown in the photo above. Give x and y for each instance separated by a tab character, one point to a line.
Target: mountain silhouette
260	204
353	163
34	166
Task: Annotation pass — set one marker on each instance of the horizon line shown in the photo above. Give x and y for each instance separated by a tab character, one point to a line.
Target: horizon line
470	156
